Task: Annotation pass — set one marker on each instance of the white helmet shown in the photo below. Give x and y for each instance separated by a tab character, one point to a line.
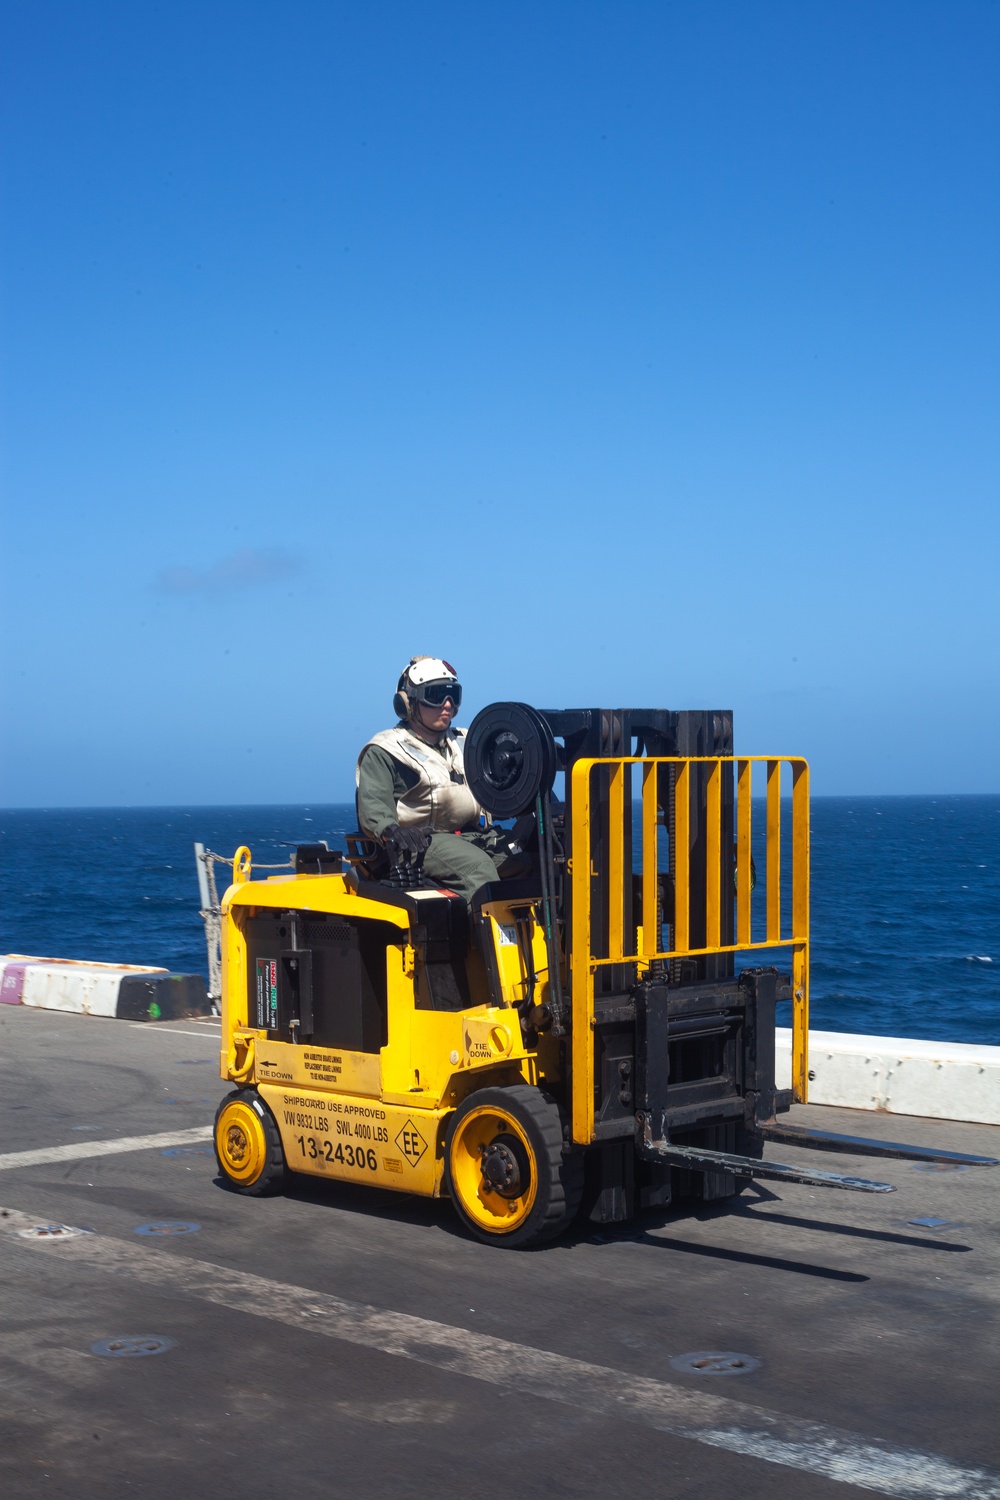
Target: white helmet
426	679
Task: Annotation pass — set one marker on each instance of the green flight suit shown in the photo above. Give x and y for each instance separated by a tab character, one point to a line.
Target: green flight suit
459	862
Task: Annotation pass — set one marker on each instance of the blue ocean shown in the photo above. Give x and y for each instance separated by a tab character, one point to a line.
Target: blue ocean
905	898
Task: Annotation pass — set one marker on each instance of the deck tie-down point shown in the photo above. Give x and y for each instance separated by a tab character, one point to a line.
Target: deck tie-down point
715	1362
52	1232
133	1346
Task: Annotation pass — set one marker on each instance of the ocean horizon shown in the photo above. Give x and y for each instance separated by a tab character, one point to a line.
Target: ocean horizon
905	897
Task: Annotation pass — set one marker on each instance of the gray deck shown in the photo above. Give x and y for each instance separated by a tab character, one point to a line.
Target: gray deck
861	1321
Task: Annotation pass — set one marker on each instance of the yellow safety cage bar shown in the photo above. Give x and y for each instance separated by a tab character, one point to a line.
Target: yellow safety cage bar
646	941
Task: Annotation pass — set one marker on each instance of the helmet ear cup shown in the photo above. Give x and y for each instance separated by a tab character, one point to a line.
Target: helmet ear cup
401	705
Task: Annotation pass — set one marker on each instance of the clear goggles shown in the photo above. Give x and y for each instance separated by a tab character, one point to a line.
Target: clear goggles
436	694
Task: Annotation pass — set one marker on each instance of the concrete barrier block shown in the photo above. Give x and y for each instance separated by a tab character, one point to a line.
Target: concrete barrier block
131	992
162	997
905	1076
926	1078
84	991
69	984
12	983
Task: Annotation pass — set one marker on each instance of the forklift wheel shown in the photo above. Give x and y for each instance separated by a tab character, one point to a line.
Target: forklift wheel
505	1169
248	1146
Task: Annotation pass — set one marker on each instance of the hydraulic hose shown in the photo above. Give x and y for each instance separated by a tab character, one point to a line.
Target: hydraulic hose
543	811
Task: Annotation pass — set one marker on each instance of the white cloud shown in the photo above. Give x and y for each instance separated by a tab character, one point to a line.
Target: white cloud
242	569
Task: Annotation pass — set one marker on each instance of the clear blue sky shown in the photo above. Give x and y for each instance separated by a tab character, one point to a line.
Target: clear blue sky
623	353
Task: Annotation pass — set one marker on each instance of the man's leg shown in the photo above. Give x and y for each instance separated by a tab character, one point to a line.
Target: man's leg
457	863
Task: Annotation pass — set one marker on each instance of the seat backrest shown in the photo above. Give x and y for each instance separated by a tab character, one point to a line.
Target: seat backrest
367	856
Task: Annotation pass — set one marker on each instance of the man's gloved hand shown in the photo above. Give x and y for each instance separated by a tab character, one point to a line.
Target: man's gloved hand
406	848
409	843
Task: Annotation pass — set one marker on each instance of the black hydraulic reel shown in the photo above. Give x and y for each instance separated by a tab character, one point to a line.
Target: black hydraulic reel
510	756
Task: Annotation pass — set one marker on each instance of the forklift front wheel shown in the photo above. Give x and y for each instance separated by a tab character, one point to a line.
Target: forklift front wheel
248	1146
505	1169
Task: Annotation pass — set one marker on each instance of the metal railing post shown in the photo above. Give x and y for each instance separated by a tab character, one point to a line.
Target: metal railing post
713	856
581	963
800	931
651	917
744	849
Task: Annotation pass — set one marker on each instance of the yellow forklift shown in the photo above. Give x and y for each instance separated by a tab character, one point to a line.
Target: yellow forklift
591	1039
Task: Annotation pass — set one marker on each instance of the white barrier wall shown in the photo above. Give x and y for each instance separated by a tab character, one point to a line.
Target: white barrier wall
87	989
942	1080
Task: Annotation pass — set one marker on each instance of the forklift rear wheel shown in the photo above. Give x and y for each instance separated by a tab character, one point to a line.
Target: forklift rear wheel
248	1145
505	1169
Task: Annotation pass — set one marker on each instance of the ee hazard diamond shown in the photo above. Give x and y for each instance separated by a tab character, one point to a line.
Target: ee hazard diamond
411	1143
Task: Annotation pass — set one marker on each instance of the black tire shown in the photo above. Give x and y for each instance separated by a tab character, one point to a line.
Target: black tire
522	1131
248	1145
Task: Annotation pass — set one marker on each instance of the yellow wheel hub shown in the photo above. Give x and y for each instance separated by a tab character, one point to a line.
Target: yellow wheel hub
240	1142
494	1171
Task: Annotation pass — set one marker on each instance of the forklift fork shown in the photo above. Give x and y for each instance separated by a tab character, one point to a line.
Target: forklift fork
861	1145
699	1158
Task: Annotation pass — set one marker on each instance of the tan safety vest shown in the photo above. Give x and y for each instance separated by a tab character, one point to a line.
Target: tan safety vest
438	800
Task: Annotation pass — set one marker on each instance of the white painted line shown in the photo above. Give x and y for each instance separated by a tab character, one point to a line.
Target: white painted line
162	1031
83	1150
793	1442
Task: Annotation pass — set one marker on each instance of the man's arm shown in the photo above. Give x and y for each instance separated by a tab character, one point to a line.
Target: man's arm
382	782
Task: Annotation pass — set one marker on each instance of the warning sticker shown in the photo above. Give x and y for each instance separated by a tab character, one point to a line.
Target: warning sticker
267	994
411	1143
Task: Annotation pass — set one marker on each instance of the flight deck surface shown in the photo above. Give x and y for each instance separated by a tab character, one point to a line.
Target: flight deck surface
343	1341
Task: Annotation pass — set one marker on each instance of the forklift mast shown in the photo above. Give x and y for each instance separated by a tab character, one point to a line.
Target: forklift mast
648	864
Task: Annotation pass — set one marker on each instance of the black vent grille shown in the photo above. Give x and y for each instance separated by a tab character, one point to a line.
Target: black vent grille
328	932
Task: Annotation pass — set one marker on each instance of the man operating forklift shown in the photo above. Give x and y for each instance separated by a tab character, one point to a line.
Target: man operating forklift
412	793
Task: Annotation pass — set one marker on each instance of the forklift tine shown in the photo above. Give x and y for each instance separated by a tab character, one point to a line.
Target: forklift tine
859	1145
698	1158
701	1159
